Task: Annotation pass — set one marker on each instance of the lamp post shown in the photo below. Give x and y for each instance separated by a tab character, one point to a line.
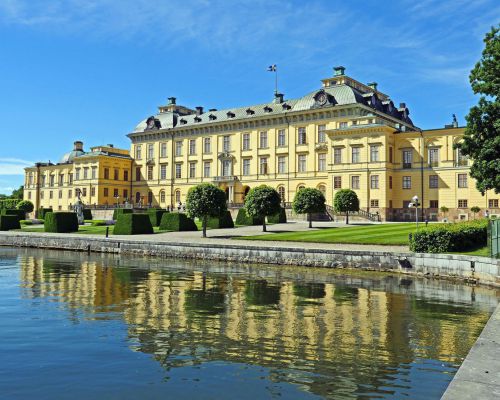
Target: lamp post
415	203
117	199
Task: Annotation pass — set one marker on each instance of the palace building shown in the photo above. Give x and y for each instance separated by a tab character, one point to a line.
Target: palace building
345	134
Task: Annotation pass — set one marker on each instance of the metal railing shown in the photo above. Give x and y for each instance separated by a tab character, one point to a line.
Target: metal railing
375	217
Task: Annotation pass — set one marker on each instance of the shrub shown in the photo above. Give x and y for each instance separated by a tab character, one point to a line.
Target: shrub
155	215
20	214
279	218
119	211
441	238
61	222
98	222
262	201
26	222
244	219
177	222
87	214
8	222
9	203
133	224
225	221
42	211
25	205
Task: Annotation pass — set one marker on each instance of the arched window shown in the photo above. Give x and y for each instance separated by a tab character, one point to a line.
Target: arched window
300	187
177	196
322	189
281	191
162	196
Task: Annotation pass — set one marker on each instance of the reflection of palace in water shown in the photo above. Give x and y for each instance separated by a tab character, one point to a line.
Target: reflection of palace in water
360	335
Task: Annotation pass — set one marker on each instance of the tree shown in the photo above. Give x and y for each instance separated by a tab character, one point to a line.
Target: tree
475	210
444	210
26	205
308	201
481	138
18	193
204	201
346	200
262	201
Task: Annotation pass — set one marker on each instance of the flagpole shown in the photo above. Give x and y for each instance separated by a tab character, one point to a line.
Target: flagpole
276	80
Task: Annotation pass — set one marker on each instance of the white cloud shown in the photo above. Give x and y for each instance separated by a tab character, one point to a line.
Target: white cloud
13	166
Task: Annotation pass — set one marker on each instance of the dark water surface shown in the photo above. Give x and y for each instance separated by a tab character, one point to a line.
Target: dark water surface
78	326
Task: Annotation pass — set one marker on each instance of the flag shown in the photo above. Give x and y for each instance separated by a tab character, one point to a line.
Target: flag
272	68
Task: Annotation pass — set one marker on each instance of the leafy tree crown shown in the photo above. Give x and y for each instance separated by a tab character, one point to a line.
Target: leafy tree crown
308	200
26	206
262	201
205	200
346	200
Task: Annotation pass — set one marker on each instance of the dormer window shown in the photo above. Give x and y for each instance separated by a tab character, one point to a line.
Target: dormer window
197	119
230	114
286	106
268	109
250	111
212	117
183	121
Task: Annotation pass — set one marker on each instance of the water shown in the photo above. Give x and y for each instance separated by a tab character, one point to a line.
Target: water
106	327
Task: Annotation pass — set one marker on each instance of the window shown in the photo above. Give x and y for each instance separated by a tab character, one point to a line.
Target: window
374	153
70	179
407	158
390	182
462	160
163	150
462	180
281	192
162	197
70	194
192	147
433	182
177	196
116	174
337	155
115	193
337	182
178	149
390	155
150	172
41	195
151	151
434	156
60	194
374	203
207	145
281	164
493	203
433	204
302	163
356	155
92	191
263	140
163	171
138	152
43	180
206	169
125	194
374	184
246	141
322	162
281	140
178	171
94	172
343	125
227	167
61	179
138	174
462	203
52	179
226	143
125	175
406	182
106	173
406	203
50	195
150	198
106	192
192	169
321	134
322	189
263	165
355	182
29	195
84	192
302	136
246	166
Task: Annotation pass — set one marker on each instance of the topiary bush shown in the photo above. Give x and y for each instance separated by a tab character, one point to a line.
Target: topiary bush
225	221
8	222
133	224
177	222
25	205
119	211
244	219
61	222
279	218
26	222
87	214
42	212
9	203
155	215
442	238
98	222
20	214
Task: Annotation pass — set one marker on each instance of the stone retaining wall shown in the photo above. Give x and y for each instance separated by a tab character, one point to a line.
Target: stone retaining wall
480	270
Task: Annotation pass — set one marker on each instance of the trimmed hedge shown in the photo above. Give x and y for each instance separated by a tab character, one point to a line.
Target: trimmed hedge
177	222
42	212
155	215
224	221
20	214
133	224
119	211
87	214
441	238
279	218
97	222
244	219
9	203
8	222
61	222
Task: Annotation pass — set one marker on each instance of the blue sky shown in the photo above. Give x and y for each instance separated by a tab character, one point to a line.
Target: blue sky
92	69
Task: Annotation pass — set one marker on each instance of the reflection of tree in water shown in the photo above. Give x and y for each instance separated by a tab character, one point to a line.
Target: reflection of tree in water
345	293
309	290
261	293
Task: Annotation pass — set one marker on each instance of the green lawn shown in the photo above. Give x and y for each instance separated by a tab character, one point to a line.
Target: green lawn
385	234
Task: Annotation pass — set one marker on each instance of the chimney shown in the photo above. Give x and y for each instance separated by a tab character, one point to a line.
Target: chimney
278	98
402	105
78	146
199	110
373	85
171	100
338	71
